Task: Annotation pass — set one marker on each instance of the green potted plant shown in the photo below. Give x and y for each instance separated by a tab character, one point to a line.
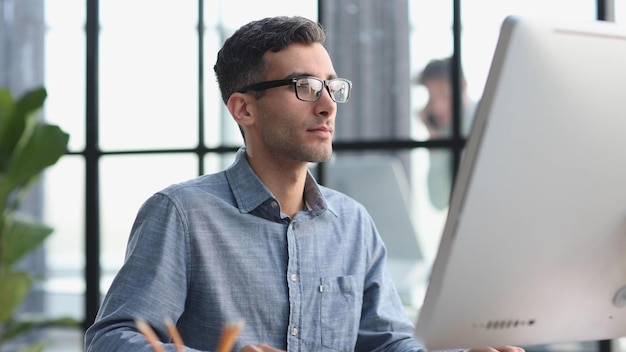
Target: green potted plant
27	146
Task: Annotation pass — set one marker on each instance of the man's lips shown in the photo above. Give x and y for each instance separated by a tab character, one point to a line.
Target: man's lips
322	131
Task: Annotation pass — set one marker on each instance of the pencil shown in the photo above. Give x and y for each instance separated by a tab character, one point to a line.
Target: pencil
229	336
178	341
147	331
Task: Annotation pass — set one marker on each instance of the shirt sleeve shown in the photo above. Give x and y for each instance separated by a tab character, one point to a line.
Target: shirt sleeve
151	285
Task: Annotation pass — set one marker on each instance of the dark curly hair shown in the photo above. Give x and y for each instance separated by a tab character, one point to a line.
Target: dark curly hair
240	61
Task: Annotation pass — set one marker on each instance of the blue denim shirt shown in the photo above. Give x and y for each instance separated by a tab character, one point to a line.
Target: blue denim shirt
217	249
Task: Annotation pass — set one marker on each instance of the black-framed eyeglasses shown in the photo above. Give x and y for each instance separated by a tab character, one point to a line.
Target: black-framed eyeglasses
308	88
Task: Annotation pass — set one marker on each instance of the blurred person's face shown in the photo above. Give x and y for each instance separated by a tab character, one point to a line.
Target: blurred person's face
439	104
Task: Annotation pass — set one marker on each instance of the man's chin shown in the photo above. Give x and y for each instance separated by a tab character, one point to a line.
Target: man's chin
319	158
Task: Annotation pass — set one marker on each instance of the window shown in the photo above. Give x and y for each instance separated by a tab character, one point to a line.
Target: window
161	119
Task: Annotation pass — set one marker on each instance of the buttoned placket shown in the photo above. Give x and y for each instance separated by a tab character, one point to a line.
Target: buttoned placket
295	288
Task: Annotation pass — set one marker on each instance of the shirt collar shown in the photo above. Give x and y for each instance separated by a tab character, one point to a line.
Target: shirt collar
250	192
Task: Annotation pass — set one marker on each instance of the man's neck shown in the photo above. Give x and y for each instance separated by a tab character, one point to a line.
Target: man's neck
285	181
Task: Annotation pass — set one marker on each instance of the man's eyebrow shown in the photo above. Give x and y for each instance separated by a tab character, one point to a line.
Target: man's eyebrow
298	74
306	74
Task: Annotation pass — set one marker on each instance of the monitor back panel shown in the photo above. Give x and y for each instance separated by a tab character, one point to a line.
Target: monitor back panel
534	248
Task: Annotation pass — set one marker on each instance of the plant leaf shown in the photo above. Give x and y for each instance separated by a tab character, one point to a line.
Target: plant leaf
13	116
45	146
6	144
36	347
6	103
14	286
6	107
5	191
22	236
15	328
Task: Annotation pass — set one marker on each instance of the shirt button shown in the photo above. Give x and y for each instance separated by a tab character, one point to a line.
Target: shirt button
274	204
294	331
294	277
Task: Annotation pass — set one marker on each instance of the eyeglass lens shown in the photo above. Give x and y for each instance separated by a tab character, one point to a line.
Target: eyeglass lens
310	89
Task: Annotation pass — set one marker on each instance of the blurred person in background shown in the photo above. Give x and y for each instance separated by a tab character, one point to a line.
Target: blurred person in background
437	116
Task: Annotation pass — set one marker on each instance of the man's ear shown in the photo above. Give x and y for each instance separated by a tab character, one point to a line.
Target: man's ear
241	107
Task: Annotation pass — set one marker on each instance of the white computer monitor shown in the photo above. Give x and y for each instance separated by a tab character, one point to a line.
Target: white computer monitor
534	248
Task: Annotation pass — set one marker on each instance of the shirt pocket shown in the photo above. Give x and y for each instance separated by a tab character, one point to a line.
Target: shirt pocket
342	298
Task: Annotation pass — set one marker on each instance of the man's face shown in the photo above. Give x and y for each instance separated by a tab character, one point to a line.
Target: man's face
289	128
439	104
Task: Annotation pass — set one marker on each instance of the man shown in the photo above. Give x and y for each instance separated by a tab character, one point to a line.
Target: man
261	241
436	115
